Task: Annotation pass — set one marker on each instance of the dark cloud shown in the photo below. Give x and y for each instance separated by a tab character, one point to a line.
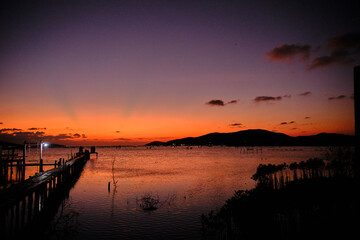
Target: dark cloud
10	130
1	123
286	123
35	129
287	96
348	41
216	102
83	136
232	102
20	136
236	125
343	49
118	131
288	52
337	57
304	94
77	135
267	98
306	117
337	98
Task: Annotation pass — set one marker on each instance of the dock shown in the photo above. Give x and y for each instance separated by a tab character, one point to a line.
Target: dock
25	206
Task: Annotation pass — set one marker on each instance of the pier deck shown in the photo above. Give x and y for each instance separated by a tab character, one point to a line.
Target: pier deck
22	204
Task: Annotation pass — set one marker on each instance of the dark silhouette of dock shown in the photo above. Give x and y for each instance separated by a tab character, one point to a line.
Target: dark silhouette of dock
25	207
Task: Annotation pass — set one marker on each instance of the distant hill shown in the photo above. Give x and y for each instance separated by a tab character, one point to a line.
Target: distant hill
259	137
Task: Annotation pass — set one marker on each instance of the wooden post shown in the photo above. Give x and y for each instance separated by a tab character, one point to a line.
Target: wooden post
24	152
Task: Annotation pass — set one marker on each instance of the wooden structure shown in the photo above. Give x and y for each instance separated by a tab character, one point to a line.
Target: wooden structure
92	151
23	206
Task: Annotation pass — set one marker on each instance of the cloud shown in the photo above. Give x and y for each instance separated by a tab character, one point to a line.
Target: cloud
342	50
304	94
216	102
35	129
287	96
232	102
77	135
339	50
286	123
117	131
1	123
267	98
348	41
83	136
337	57
337	98
239	125
221	103
306	117
20	136
10	130
288	52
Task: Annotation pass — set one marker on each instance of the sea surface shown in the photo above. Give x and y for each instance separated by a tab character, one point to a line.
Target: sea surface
184	183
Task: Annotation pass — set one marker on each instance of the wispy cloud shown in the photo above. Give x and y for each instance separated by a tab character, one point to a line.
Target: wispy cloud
35	129
221	103
289	52
304	94
341	50
286	123
237	125
232	102
337	98
337	57
267	98
10	130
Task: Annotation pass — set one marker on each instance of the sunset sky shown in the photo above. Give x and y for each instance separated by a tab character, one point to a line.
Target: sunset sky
131	72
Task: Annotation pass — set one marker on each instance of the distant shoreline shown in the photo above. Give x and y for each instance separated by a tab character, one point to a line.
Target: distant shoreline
259	137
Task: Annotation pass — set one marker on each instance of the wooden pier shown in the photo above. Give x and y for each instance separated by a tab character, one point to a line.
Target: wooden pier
24	205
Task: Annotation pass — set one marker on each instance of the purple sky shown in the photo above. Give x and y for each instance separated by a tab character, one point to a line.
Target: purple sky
143	70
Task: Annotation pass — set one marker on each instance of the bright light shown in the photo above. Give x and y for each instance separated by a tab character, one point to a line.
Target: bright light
45	144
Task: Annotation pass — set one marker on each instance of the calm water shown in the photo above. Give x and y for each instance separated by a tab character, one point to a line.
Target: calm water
187	183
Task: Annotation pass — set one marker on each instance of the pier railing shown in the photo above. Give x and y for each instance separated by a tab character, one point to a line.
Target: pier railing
24	205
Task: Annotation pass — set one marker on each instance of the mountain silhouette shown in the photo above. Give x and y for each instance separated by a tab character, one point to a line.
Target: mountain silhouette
259	137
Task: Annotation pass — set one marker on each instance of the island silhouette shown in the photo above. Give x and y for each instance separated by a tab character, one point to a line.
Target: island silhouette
259	137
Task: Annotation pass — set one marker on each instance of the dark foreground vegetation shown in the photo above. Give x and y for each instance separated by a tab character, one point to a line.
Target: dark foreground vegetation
313	199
